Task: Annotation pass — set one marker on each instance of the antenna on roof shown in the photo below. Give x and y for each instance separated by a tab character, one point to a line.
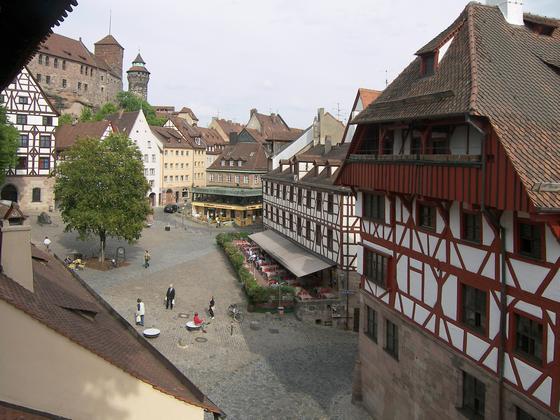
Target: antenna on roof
109	21
386	78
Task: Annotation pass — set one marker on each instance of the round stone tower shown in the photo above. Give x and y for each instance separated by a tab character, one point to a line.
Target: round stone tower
138	78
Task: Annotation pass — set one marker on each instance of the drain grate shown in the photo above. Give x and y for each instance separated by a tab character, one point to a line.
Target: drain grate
274	330
183	315
201	339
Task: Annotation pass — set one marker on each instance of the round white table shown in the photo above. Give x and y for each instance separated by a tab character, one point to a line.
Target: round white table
151	332
191	326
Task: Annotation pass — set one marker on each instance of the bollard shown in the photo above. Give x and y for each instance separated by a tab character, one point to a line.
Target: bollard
231	329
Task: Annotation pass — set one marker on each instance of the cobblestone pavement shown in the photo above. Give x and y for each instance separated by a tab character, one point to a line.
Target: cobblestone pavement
264	368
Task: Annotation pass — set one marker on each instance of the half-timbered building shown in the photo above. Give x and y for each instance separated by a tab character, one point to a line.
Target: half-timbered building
301	203
457	170
30	111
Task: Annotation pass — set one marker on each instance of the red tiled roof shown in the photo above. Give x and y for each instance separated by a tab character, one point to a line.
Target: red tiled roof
273	127
211	136
108	40
368	96
138	68
67	48
66	135
188	111
229	126
252	154
188	131
15	412
170	138
57	301
123	121
505	73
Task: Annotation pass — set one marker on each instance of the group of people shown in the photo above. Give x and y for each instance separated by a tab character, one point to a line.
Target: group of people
169	302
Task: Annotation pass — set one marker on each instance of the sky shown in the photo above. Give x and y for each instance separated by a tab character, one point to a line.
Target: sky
225	57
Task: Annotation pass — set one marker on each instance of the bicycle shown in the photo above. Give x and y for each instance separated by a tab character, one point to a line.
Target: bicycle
235	312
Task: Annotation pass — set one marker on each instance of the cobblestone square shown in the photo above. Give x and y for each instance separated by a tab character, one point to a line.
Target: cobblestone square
263	368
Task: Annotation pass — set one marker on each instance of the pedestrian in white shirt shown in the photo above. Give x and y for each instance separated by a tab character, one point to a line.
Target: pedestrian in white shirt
140	311
47	243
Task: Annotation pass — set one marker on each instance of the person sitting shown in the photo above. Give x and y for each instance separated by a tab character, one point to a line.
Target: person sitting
199	322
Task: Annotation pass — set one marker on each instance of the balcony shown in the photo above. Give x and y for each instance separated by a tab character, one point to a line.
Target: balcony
417	159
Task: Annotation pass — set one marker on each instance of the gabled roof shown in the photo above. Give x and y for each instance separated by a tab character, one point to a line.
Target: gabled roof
59	300
67	135
253	155
123	121
109	40
505	73
211	136
186	110
67	48
189	132
229	126
170	138
274	128
22	37
367	96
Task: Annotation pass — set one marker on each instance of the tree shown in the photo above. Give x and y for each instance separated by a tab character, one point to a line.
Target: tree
65	119
9	143
131	102
107	109
86	114
101	189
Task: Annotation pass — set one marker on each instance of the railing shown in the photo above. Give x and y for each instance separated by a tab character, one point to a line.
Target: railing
468	160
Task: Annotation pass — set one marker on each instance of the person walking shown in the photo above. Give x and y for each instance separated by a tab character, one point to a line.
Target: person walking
47	243
147	258
211	307
170	297
140	311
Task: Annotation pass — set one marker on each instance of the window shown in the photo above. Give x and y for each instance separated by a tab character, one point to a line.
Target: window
388	142
374	207
245	179
291	221
231	163
146	158
44	141
370	327
40	58
317	233
291	193
36	195
47	121
284	191
23	140
256	179
46	60
21	119
176	152
85	87
228	178
473	304
299	195
153	158
522	414
375	267
21	163
64	83
149	144
237	179
211	177
299	226
330	203
55	63
239	163
43	163
145	171
428	65
277	190
165	153
308	198
392	339
474	395
318	201
284	218
529	338
472	226
427	216
81	69
22	100
529	239
165	165
79	85
165	178
152	171
63	64
307	230
416	143
48	79
39	77
330	243
151	183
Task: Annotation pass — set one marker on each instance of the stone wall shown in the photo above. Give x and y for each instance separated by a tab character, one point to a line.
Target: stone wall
426	380
25	185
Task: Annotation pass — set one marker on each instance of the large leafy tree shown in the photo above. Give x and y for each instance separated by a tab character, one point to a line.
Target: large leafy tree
101	189
9	142
131	102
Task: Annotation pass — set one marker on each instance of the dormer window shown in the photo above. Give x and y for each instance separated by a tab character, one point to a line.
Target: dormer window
223	163
428	64
239	163
231	163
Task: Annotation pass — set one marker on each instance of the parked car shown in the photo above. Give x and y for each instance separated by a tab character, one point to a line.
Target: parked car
171	208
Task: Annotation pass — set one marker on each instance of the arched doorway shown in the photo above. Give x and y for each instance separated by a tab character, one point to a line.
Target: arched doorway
169	196
152	197
10	193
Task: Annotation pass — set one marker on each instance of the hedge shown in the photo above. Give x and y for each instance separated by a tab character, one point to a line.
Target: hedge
255	292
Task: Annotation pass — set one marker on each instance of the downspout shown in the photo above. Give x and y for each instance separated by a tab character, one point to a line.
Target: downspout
500	230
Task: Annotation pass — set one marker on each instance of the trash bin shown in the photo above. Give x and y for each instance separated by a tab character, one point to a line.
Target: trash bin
167	228
280	310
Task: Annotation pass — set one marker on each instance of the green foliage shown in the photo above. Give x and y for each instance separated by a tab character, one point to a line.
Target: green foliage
101	189
131	102
65	119
86	114
107	109
9	142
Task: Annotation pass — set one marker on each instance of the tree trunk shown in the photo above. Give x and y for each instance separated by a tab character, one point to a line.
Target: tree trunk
102	252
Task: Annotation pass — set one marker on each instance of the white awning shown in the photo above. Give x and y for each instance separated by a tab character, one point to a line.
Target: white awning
292	256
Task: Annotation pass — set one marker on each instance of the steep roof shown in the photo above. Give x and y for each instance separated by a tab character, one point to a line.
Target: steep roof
273	127
109	40
22	37
229	126
59	300
211	136
505	73
66	135
140	69
67	48
186	110
189	132
252	154
139	59
170	138
368	96
123	121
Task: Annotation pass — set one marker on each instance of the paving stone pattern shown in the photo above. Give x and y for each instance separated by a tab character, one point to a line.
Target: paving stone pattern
279	369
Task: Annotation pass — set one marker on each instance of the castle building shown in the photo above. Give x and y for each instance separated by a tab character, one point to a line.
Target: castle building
31	112
73	77
138	78
456	169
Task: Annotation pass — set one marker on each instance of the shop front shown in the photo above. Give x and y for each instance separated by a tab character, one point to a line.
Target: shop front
227	205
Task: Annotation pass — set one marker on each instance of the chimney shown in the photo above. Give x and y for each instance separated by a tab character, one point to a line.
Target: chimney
253	111
15	246
511	9
328	144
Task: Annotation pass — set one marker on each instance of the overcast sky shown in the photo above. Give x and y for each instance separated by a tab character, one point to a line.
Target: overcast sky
224	57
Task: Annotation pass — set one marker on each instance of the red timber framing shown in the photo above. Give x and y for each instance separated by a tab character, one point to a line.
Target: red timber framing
444	177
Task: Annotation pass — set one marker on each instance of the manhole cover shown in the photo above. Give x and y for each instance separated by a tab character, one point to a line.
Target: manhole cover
201	339
273	330
183	315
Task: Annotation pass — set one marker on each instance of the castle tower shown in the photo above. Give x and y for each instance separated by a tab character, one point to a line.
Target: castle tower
138	78
111	52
